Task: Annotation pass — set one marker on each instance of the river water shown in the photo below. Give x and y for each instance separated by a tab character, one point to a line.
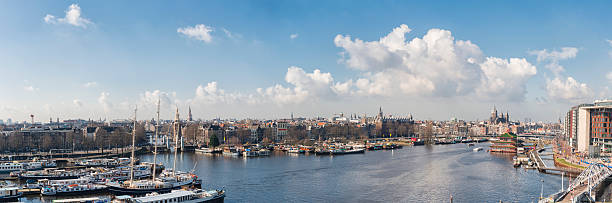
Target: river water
411	174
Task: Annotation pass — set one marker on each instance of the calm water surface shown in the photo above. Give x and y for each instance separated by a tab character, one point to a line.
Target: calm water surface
411	174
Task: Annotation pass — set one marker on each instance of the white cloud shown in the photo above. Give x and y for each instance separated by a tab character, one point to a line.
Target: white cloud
505	79
77	102
435	65
293	36
568	90
73	17
199	32
105	102
90	84
150	98
609	77
30	88
555	55
211	94
231	35
305	86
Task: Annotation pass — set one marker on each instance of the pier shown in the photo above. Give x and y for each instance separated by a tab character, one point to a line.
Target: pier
535	155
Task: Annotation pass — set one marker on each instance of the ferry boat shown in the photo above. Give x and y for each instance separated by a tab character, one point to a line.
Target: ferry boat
264	152
8	194
186	196
73	189
81	200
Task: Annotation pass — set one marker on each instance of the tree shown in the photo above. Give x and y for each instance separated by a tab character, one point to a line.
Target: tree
214	141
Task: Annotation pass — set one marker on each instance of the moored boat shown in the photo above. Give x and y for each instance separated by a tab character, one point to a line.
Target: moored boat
204	150
195	196
73	189
81	200
264	152
249	153
10	167
8	194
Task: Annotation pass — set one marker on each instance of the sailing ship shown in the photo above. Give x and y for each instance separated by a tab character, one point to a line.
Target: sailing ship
167	181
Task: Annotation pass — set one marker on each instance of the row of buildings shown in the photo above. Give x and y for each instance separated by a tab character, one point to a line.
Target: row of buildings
231	131
587	127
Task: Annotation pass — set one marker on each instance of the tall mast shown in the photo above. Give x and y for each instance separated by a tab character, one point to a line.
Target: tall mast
155	147
133	146
177	128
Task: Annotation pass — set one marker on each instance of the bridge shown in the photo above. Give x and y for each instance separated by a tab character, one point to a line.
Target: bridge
581	189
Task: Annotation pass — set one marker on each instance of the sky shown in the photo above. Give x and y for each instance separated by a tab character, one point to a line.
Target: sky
268	59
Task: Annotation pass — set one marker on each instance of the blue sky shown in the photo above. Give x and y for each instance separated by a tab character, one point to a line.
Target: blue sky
125	49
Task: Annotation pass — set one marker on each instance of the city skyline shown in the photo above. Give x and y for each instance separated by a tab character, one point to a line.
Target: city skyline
259	60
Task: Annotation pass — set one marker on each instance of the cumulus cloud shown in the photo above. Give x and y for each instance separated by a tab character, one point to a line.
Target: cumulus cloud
73	17
211	94
90	84
568	89
304	86
293	36
434	65
105	102
198	32
150	98
77	102
505	79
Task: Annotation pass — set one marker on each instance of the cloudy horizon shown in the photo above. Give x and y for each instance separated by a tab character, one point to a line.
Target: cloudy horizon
89	60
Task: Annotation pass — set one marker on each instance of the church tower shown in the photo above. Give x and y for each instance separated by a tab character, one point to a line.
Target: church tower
189	118
177	125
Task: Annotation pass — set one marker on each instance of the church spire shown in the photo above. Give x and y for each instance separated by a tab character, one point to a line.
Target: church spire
176	118
189	118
